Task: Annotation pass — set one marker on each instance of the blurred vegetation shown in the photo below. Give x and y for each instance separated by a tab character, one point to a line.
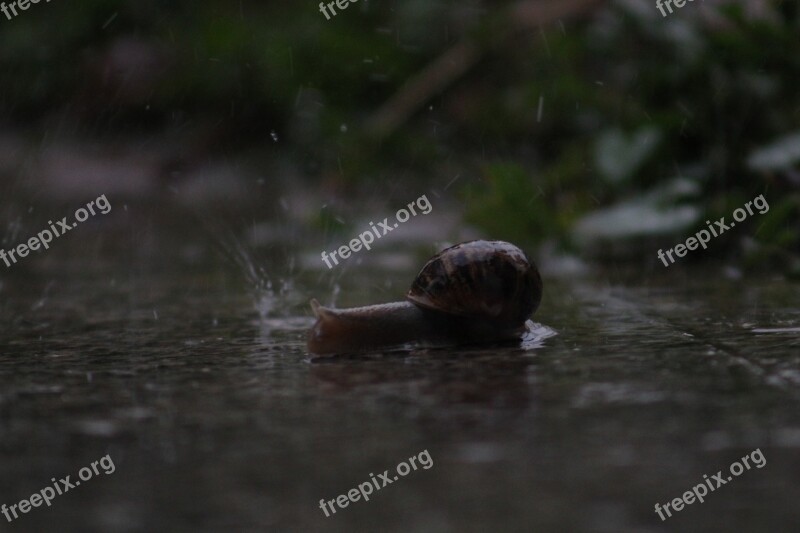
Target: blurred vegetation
613	115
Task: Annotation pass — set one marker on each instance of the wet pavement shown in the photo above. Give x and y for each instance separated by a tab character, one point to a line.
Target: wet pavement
163	356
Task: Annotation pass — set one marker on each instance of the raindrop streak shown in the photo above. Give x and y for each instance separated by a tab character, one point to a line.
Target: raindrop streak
110	20
546	44
452	181
539	112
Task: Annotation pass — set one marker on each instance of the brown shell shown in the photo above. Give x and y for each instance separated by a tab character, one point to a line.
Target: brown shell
491	280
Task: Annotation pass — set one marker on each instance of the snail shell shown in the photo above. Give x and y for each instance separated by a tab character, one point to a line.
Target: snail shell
470	293
492	280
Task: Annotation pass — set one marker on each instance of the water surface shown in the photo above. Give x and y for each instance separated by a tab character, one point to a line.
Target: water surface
165	357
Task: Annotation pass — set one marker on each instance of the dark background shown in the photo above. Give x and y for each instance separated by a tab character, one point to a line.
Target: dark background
237	140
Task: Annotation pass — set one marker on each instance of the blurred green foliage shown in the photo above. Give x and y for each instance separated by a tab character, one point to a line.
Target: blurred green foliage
555	123
643	101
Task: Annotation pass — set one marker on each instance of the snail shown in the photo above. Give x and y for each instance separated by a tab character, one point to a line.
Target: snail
471	293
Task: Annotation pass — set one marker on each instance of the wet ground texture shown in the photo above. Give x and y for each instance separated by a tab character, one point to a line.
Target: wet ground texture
217	419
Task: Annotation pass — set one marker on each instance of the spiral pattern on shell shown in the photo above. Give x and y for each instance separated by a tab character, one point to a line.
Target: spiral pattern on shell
493	281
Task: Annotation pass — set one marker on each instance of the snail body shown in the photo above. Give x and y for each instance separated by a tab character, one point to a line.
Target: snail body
471	293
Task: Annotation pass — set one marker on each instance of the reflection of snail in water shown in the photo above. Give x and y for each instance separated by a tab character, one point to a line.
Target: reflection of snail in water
474	292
